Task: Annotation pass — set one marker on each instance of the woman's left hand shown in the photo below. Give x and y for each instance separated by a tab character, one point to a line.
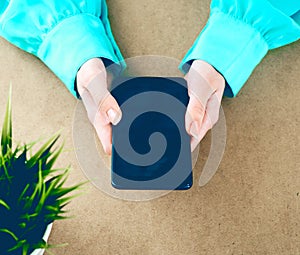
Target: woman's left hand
205	87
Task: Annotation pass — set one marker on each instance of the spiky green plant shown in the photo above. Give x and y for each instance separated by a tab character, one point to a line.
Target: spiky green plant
32	193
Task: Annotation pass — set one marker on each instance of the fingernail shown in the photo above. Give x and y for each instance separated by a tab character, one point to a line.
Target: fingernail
107	150
194	130
114	116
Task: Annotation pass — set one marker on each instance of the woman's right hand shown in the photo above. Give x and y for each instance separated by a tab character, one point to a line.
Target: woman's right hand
102	109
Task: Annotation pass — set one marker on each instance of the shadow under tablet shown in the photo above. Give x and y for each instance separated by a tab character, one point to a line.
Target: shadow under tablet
151	148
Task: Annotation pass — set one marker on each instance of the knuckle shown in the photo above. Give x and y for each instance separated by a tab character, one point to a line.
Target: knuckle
196	109
105	102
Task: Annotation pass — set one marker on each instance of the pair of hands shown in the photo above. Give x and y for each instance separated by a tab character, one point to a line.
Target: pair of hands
205	88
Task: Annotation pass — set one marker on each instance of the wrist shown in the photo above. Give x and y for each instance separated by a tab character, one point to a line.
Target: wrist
88	71
209	73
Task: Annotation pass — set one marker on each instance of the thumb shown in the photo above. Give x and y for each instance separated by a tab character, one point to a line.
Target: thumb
106	105
194	116
109	113
109	110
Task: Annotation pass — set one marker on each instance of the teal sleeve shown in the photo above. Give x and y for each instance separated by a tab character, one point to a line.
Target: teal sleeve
63	34
239	34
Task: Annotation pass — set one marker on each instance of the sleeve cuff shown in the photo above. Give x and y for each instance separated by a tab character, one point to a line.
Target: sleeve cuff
74	41
233	54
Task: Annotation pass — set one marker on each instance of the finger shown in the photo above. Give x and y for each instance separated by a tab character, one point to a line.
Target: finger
97	87
211	116
194	143
205	127
97	94
198	86
108	113
89	104
194	116
101	126
199	92
104	132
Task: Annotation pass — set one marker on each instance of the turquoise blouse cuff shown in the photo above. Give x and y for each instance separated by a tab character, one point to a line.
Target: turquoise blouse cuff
237	36
233	54
86	39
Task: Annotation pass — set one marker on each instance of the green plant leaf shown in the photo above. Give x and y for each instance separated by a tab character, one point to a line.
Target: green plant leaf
57	217
43	150
52	184
18	245
54	157
6	138
41	245
4	166
25	249
40	185
51	246
23	192
28	216
42	198
22	225
7	231
2	202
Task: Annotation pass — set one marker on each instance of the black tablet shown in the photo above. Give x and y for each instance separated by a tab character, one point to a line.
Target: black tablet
151	148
